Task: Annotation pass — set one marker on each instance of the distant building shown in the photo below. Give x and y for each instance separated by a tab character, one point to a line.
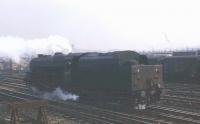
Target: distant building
186	53
6	64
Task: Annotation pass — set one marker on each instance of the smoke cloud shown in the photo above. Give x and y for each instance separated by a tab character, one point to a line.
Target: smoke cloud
60	94
17	47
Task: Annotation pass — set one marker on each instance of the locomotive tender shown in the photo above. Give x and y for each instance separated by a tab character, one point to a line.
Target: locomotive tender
113	76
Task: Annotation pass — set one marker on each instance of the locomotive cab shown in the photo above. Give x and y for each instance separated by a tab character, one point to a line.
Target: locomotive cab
147	84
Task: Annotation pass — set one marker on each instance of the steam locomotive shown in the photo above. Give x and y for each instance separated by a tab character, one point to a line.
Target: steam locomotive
121	76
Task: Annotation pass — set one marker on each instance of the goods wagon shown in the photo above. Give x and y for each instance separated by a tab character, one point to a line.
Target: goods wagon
182	69
117	76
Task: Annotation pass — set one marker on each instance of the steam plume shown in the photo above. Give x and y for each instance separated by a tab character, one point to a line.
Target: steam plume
60	94
17	47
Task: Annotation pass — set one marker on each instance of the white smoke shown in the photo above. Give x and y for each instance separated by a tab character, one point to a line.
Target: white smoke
17	47
58	93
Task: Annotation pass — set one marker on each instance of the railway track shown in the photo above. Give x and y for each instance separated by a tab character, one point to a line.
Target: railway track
186	93
16	84
194	88
181	102
187	96
175	115
153	115
84	112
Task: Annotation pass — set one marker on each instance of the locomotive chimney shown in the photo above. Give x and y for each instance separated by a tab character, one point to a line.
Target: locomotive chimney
40	55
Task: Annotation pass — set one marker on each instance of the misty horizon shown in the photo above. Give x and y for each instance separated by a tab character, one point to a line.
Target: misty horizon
103	25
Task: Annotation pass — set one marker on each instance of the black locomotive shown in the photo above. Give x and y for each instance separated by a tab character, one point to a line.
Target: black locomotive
117	76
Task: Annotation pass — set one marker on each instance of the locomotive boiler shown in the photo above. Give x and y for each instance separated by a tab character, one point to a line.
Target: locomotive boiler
113	76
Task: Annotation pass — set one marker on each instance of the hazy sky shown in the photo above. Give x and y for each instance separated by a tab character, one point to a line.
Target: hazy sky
105	24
